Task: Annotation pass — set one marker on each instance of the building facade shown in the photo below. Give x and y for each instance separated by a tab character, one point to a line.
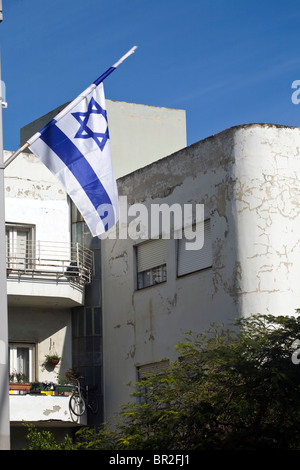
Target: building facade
246	179
53	309
207	233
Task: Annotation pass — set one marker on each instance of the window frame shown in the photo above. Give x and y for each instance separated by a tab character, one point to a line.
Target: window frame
143	371
154	271
13	347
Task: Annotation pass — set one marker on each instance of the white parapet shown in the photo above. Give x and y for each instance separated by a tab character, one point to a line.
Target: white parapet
43	408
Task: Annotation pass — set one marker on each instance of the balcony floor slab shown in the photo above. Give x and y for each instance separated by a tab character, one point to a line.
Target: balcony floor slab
60	293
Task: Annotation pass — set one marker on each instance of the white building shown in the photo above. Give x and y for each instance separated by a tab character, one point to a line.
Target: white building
248	179
50	311
145	294
40	291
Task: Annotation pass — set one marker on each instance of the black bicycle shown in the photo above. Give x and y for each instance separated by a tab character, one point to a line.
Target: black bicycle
83	398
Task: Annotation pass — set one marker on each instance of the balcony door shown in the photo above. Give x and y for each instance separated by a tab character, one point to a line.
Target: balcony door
19	246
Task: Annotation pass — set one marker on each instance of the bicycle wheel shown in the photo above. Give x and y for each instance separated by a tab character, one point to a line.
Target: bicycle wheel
77	404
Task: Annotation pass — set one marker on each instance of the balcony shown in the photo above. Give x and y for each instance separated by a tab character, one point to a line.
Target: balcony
47	273
43	409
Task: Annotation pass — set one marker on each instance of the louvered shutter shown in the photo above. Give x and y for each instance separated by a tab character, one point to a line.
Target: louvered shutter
152	368
151	254
194	260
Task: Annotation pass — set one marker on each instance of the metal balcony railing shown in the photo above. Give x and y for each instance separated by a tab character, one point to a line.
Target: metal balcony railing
57	259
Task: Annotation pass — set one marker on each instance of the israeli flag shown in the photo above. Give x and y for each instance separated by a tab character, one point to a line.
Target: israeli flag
75	147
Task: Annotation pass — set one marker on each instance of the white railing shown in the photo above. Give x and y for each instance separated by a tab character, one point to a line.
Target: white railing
58	259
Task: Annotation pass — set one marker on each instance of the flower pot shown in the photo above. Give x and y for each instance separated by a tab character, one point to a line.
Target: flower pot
53	362
63	390
20	387
39	387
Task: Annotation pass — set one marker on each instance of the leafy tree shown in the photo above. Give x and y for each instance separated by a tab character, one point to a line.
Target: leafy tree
45	440
228	390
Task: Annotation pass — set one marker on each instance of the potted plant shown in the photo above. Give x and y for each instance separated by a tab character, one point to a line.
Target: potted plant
66	383
52	359
40	387
19	381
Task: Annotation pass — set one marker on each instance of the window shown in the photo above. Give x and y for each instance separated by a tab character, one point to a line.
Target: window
21	362
19	246
189	261
145	371
151	263
80	231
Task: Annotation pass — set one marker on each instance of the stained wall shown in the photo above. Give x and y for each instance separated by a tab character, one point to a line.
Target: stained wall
247	178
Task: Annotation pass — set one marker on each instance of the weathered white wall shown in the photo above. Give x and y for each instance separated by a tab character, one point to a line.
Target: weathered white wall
43	409
267	213
34	196
142	134
248	180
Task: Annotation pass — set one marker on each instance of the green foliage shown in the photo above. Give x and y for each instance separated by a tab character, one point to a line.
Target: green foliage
45	440
234	390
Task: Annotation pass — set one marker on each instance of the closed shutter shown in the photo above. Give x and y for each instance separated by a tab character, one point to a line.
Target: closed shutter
152	368
194	260
151	254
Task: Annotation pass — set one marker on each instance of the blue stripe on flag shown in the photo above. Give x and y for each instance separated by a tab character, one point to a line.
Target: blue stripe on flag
77	164
53	121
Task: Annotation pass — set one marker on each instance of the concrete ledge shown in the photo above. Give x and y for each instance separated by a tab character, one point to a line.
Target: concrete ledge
42	291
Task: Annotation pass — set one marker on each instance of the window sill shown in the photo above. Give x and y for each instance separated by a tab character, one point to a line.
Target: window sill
138	289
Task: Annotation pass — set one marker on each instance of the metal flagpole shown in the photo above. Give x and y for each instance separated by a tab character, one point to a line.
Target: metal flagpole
4	373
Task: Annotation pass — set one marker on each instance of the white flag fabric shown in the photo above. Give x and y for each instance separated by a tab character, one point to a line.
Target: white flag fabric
75	147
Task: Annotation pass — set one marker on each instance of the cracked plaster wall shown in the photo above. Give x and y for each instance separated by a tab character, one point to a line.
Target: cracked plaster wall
34	196
267	214
247	177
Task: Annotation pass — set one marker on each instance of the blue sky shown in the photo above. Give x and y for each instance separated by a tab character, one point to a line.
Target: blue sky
226	62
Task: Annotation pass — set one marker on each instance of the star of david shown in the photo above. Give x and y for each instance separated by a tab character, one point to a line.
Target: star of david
86	132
